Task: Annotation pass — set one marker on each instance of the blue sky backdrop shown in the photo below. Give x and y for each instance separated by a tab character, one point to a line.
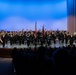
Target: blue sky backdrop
22	14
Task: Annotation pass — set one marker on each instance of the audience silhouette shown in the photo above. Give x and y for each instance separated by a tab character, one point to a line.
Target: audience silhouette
44	61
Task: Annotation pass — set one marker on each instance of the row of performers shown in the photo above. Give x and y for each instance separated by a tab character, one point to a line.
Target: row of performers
36	37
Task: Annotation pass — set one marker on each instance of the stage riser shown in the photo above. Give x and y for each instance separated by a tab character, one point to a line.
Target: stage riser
5	53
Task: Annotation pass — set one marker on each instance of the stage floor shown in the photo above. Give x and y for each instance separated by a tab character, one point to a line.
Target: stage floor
32	46
6	51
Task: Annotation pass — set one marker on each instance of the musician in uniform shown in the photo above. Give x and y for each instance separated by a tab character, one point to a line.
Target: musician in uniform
11	38
61	38
54	38
48	39
75	37
66	38
28	38
71	39
3	39
1	42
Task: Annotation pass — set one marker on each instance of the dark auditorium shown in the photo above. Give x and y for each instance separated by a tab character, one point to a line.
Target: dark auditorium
37	37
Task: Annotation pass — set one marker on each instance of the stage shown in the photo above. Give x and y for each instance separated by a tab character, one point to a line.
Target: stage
6	51
52	45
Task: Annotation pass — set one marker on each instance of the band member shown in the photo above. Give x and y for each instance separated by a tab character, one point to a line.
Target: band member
66	38
39	36
6	37
75	37
35	39
61	38
11	38
31	37
28	39
48	39
3	40
71	40
54	38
